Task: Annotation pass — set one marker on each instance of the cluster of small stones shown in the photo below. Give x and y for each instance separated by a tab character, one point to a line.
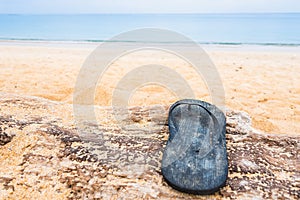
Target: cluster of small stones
125	162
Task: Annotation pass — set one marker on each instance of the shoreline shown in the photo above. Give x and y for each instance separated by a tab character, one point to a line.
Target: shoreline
206	46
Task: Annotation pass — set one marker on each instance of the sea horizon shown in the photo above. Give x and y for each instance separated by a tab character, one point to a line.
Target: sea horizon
267	29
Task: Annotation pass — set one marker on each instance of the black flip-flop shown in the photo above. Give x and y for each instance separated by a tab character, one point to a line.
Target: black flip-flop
195	158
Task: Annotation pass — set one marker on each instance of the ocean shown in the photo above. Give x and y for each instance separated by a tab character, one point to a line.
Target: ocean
233	29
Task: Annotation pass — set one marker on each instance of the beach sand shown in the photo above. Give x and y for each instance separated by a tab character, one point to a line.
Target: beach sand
262	81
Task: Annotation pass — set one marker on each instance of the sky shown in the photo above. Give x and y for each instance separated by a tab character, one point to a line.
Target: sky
147	6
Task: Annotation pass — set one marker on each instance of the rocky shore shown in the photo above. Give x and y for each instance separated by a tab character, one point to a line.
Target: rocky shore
42	155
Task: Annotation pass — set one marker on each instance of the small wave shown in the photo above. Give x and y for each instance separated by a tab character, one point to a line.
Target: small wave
37	40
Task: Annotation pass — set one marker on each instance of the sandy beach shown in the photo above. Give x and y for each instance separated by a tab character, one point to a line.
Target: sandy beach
44	156
262	81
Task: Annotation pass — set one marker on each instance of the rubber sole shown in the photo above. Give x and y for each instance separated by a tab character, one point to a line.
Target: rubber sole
195	158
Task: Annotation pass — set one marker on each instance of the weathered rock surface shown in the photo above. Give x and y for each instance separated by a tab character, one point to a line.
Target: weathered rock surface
44	156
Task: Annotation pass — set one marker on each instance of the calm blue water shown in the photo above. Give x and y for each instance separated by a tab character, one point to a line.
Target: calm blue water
272	29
